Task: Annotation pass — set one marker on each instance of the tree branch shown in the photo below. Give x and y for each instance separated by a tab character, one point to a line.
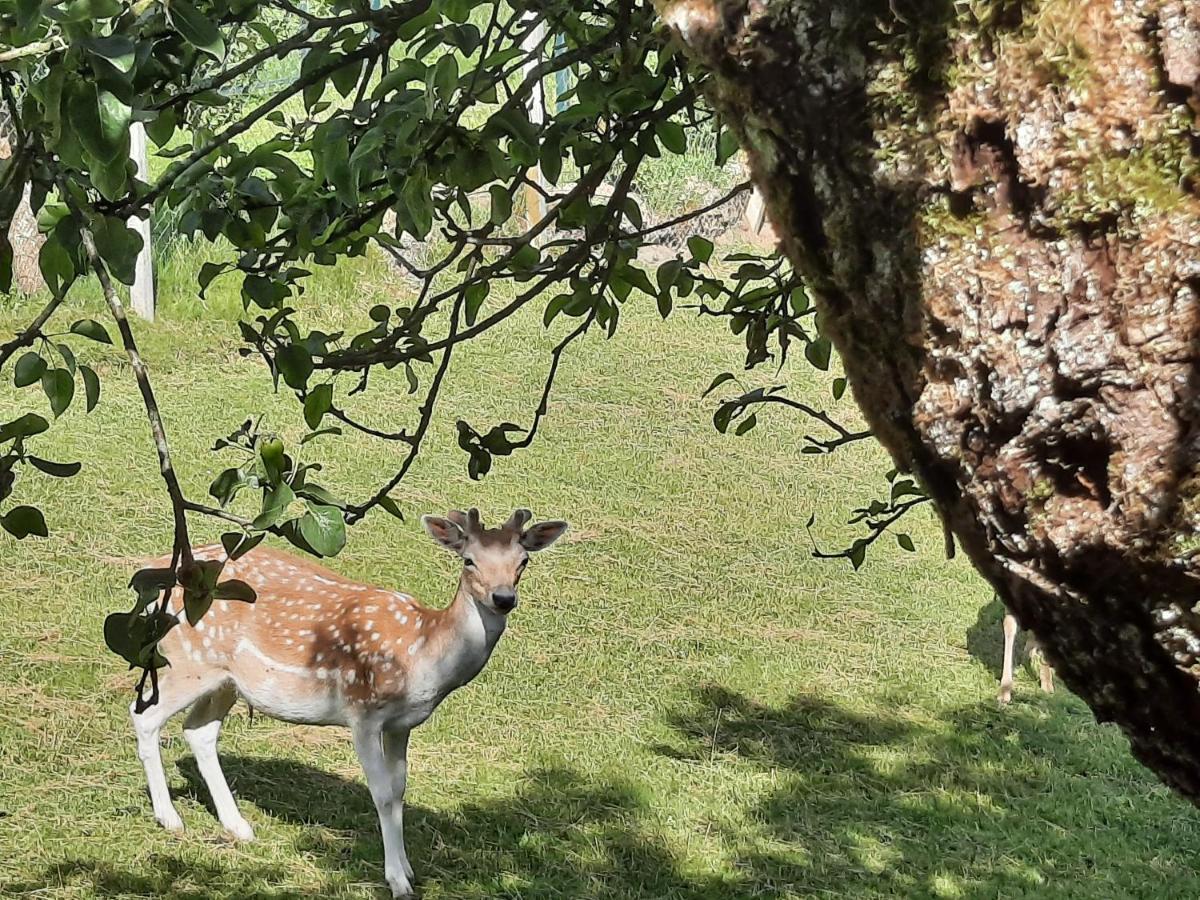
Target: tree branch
354	513
178	504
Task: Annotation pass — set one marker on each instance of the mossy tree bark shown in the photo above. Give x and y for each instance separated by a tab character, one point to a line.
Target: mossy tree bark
996	205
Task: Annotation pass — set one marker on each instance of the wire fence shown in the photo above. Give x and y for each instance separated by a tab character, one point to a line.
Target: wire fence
666	187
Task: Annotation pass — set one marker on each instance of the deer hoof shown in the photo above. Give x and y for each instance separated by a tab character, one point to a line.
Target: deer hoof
400	885
240	830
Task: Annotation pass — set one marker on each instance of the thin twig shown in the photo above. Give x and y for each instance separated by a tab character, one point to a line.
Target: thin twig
354	513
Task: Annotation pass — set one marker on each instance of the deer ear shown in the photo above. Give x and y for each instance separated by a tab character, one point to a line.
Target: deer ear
445	532
542	535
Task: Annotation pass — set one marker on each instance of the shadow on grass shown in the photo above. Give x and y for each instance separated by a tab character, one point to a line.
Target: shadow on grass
985	639
980	803
1034	800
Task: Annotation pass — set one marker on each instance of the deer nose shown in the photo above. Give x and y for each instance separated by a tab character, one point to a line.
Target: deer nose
504	601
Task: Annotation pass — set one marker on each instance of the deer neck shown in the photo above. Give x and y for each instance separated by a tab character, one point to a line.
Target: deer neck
470	633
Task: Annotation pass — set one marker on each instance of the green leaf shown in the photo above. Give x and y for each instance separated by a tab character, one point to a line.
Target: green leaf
57	267
29	368
117	50
839	388
672	136
317	403
817	352
91	386
275	502
196	28
199	580
26	426
60	388
664	304
320	433
501	204
90	328
345	79
746	424
68	357
118	245
149	584
701	248
94	117
857	554
324	528
114	120
225	484
717	382
238	545
118	628
667	274
419	203
445	77
22	521
295	364
196	604
233	589
57	469
474	297
391	506
905	542
727	145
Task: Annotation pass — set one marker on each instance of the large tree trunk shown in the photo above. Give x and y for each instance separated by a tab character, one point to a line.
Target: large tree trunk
998	213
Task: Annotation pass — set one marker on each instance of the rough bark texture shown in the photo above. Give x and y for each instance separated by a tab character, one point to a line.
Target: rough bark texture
997	206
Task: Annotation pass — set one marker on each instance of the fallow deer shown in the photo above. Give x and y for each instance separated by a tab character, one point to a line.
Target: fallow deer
1045	673
319	649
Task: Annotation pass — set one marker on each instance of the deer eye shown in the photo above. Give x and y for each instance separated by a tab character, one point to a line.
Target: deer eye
468	562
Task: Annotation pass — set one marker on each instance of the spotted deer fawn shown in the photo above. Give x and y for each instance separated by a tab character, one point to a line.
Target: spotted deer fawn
319	649
1045	673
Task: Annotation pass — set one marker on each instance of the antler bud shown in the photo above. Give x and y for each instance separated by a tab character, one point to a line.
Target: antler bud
516	522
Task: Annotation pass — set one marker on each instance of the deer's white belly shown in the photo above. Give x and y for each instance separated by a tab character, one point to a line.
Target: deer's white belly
291	693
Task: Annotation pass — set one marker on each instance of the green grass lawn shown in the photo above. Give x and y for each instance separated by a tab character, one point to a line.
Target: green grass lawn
687	705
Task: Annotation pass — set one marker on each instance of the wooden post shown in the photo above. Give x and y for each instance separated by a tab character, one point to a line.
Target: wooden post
756	212
141	294
535	203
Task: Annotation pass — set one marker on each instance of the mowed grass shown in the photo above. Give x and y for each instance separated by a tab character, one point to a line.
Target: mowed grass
686	705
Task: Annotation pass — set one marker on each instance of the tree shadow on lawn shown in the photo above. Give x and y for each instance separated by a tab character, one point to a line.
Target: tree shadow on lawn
1035	800
980	803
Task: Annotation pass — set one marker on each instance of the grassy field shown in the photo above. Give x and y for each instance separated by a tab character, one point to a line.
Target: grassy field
686	705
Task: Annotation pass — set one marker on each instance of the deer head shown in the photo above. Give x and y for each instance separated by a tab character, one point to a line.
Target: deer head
493	558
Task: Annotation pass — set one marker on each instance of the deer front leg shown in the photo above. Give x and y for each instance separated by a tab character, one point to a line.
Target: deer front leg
368	744
395	754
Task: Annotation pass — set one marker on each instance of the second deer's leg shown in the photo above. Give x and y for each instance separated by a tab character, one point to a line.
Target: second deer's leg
395	755
368	744
1045	673
202	729
1006	674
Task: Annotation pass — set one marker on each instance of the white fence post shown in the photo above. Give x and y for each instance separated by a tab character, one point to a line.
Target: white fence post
535	202
141	294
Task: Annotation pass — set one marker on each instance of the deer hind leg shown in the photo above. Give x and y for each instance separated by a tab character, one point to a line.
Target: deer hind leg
176	692
1006	675
202	728
1045	673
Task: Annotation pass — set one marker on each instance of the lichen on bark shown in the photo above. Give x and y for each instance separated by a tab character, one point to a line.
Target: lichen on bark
996	204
